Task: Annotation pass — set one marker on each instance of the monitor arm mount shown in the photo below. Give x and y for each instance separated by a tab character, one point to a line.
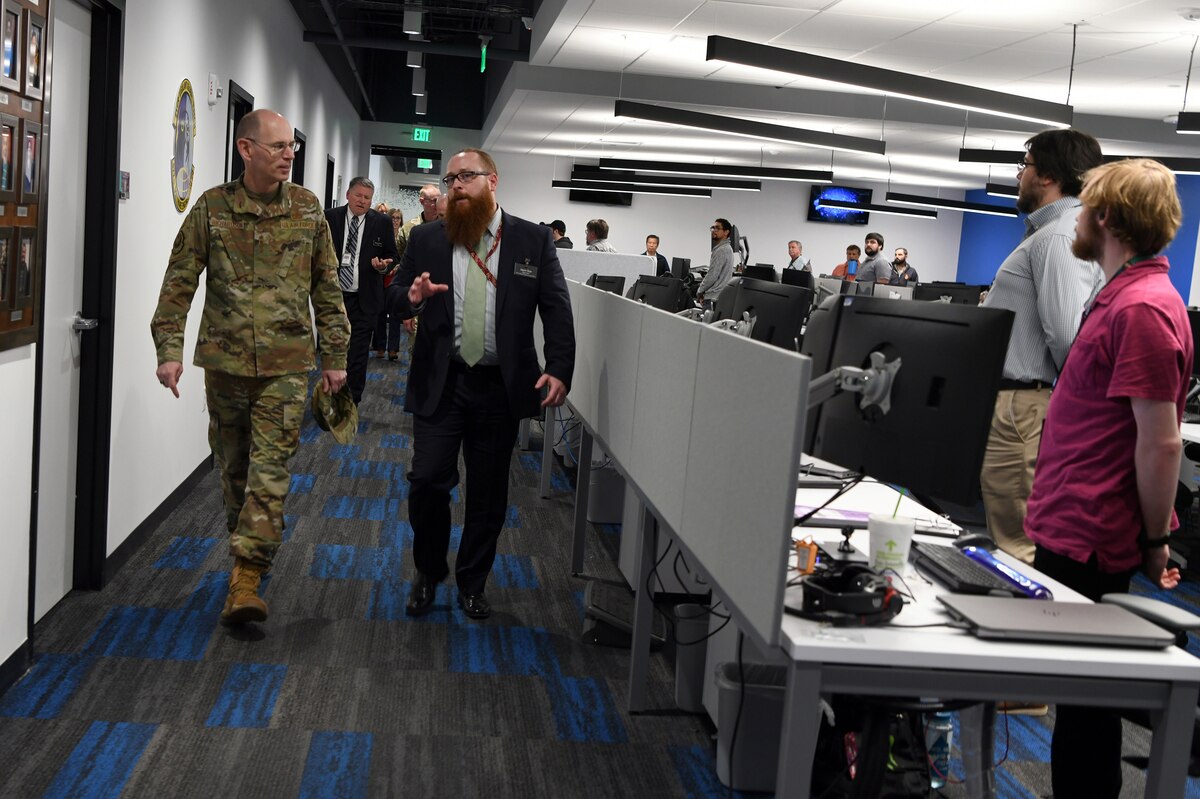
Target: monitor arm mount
742	327
875	385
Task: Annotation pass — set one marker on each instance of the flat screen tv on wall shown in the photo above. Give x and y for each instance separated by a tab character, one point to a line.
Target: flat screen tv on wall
843	216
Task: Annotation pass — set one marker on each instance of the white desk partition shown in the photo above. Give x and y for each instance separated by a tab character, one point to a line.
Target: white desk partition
747	424
613	329
579	265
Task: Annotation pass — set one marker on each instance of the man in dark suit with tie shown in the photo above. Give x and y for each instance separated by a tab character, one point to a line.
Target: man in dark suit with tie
475	278
363	240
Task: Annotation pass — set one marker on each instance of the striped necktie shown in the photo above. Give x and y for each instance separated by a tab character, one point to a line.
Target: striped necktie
346	269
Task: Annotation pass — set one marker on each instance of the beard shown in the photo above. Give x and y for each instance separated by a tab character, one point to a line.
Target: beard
467	221
1086	246
1027	203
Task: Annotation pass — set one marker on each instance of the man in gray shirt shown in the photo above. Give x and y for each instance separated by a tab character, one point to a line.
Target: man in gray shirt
720	263
1046	286
874	267
597	236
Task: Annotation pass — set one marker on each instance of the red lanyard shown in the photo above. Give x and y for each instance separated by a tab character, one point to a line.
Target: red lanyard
481	264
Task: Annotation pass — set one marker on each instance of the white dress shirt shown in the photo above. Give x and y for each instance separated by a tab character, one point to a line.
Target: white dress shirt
462	262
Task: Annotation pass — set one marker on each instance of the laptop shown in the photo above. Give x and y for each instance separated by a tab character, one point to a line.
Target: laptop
1013	619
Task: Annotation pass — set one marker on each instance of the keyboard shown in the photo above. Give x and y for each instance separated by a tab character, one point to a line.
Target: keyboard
957	572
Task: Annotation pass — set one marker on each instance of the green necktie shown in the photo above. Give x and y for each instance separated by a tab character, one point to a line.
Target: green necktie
474	310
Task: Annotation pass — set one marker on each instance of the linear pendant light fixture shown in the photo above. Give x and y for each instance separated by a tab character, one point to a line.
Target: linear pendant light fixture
888	82
1001	190
1189	122
1178	165
746	127
878	208
721	170
629	188
950	205
685	181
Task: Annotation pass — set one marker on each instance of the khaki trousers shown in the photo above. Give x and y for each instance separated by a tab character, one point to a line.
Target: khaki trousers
1008	462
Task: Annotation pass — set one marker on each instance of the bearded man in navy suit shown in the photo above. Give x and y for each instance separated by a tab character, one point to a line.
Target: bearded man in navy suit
475	279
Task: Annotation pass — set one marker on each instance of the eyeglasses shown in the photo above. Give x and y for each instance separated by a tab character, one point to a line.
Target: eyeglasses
278	147
465	177
716	227
1021	166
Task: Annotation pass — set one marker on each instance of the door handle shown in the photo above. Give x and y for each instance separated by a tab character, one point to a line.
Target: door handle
80	324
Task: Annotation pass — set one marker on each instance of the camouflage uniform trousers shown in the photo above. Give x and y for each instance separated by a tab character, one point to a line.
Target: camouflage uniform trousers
253	430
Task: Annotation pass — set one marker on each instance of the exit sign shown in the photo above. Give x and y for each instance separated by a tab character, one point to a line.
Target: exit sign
424	163
420	134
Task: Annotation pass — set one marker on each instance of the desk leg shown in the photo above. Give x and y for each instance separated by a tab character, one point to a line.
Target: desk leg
1169	749
523	435
643	612
976	727
547	452
583	485
801	725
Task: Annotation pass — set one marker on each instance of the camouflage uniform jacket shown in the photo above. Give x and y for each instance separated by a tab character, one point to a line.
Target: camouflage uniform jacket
264	263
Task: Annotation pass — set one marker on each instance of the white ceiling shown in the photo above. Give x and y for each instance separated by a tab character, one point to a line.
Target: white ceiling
1131	59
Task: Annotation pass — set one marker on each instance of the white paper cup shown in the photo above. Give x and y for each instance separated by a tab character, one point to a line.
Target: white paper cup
891	538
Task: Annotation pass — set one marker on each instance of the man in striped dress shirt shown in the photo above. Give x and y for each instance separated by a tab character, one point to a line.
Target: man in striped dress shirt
1046	286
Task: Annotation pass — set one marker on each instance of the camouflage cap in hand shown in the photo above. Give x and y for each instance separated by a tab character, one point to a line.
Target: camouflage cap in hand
337	414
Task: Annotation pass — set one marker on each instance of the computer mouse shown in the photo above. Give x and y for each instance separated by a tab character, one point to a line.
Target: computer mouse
975	540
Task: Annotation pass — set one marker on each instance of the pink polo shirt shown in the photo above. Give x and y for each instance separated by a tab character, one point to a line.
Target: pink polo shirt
1135	341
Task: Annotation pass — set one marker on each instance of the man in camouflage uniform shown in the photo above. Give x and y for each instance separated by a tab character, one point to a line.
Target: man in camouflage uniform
267	251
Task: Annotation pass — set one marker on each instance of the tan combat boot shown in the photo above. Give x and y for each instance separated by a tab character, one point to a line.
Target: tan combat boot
243	603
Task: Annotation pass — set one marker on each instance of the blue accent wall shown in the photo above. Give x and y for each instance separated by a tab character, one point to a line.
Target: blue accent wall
1182	251
987	240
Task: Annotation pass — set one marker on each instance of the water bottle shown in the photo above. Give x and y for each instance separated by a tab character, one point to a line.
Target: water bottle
937	740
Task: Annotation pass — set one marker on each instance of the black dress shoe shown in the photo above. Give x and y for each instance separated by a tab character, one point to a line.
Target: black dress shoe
474	605
420	597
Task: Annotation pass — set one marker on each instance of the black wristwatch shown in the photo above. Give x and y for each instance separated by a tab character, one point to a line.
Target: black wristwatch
1151	543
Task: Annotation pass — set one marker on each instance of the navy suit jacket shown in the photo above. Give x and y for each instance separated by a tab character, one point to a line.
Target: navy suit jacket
376	240
517	297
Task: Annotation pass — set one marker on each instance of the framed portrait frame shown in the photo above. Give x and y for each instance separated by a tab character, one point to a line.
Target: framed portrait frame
29	178
7	273
12	54
24	266
10	157
183	170
35	54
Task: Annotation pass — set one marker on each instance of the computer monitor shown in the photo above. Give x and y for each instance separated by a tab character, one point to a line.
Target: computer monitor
832	286
613	283
760	272
864	288
680	267
664	293
961	293
932	439
894	292
779	312
797	277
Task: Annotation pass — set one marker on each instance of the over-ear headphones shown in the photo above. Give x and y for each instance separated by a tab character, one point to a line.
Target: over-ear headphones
851	594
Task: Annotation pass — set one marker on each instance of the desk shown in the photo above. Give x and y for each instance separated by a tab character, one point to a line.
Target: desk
953	664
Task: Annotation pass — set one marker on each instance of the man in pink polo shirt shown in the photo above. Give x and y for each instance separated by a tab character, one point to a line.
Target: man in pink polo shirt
1102	504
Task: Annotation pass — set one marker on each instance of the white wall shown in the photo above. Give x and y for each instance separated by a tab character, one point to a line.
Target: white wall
769	218
157	440
16	441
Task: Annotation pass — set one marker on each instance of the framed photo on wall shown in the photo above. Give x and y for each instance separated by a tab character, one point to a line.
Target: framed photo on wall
35	51
10	45
6	267
30	175
10	151
26	268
